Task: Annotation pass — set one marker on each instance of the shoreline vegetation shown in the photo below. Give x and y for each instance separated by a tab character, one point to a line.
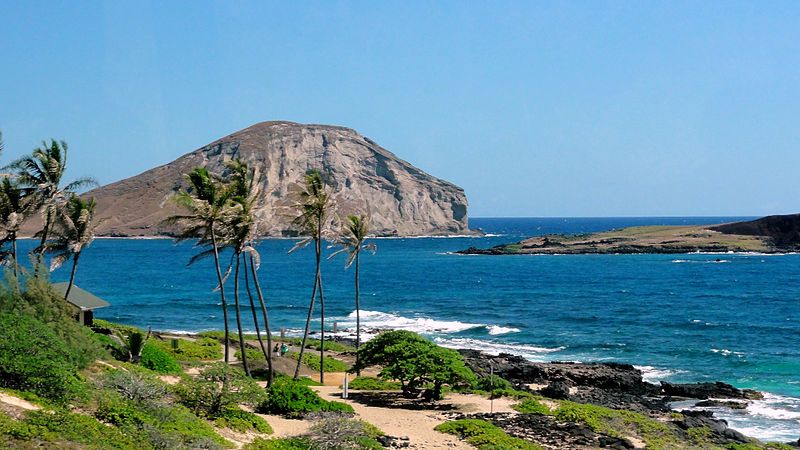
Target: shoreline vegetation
772	234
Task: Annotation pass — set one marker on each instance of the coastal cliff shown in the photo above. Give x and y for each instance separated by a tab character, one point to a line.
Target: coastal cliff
401	199
772	234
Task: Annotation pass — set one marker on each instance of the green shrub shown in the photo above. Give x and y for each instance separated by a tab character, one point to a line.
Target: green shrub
294	399
312	361
159	360
490	383
205	394
202	349
63	426
124	329
34	358
531	406
344	433
238	419
619	423
484	435
373	384
136	386
296	443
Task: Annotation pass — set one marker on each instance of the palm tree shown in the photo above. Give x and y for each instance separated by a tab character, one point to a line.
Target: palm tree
14	207
73	231
40	175
354	233
315	209
206	200
243	231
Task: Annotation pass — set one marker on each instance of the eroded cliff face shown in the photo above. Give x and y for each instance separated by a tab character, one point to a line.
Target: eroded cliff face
400	199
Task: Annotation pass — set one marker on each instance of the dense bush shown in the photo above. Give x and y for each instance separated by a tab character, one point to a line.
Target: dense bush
206	396
159	360
373	384
294	399
34	358
344	433
312	361
136	386
202	349
414	361
531	406
295	443
491	383
484	435
238	419
60	427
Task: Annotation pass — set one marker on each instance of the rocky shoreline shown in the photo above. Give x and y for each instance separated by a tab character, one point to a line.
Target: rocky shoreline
612	385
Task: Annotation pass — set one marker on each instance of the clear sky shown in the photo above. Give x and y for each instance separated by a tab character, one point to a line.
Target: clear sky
621	108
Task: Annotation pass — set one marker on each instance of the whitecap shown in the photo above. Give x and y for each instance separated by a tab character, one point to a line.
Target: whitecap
424	325
529	352
655	374
497	329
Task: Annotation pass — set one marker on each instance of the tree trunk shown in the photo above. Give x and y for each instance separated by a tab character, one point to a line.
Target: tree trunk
239	315
266	319
222	295
45	232
72	274
14	254
322	314
308	327
358	314
253	308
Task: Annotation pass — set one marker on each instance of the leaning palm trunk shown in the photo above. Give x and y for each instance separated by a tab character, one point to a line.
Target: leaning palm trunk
72	274
308	327
266	318
222	295
358	317
42	244
239	316
322	316
253	309
14	253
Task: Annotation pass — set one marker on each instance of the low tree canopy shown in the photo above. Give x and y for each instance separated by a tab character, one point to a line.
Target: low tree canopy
414	361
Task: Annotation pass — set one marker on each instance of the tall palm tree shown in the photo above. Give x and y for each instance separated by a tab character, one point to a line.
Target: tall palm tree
73	231
354	233
14	208
315	208
243	231
206	199
40	174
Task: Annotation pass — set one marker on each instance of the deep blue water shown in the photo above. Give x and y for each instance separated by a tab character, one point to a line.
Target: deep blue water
681	317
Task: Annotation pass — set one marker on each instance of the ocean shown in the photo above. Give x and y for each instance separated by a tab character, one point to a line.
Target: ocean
682	318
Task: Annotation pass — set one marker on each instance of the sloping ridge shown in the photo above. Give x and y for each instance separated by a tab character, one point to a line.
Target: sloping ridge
400	199
784	230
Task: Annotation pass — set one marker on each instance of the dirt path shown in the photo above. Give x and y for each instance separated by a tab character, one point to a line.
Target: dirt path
418	424
12	400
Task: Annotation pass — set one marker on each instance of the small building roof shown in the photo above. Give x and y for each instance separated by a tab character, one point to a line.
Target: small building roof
80	298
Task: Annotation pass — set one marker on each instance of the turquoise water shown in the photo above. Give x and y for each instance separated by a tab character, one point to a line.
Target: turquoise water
679	317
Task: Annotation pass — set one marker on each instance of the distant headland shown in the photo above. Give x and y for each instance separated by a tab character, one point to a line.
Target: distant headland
771	234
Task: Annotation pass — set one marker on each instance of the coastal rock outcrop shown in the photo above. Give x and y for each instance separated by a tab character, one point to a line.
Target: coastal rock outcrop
401	199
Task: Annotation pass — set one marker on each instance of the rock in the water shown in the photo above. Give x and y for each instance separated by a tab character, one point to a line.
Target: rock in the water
401	199
732	404
708	390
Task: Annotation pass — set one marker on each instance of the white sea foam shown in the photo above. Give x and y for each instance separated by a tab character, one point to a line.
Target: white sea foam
655	374
530	352
497	329
424	325
726	352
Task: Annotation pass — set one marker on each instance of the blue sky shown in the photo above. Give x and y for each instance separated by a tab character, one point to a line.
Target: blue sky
575	108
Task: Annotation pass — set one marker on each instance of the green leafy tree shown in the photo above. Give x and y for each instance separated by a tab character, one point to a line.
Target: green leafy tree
40	174
315	207
206	200
414	361
73	231
354	233
14	208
